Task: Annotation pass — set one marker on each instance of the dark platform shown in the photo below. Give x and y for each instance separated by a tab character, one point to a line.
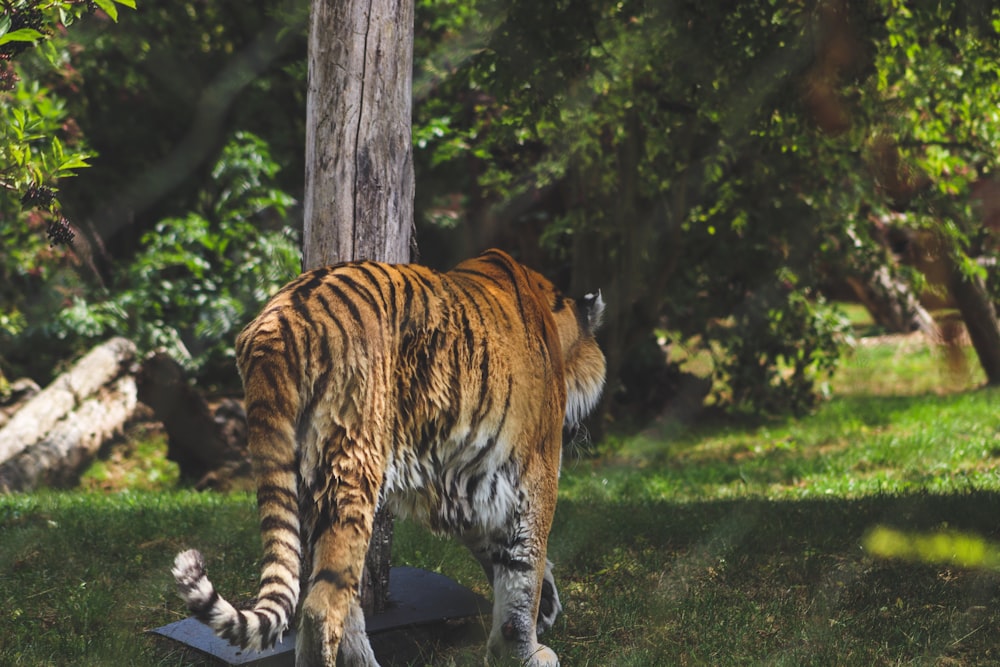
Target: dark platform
416	597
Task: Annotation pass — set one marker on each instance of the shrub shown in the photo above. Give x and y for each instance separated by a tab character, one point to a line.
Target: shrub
198	278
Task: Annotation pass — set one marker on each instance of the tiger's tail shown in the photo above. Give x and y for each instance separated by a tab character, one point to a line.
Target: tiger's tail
271	406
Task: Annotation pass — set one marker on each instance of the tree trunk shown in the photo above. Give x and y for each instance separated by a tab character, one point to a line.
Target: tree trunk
359	155
891	302
66	449
359	164
197	440
40	415
979	316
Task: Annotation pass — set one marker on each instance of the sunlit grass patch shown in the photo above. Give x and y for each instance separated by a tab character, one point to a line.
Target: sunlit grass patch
906	366
937	547
851	446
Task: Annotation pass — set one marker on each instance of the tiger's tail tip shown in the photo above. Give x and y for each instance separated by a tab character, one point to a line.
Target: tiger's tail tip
192	583
239	628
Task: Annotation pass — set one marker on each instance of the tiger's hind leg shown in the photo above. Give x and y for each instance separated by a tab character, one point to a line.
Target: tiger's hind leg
332	626
355	649
337	521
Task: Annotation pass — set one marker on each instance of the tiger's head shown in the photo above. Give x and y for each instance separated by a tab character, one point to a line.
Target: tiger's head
583	362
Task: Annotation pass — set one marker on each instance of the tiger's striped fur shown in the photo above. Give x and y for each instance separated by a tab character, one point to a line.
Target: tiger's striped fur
443	395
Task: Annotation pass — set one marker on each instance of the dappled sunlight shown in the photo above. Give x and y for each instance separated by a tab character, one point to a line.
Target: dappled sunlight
941	547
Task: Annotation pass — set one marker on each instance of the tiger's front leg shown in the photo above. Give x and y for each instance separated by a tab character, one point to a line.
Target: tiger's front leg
517	584
549	606
519	571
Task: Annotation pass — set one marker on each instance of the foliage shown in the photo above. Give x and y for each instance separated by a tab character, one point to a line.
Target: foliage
775	351
32	158
40	144
207	255
35	151
713	163
160	96
196	280
714	167
628	136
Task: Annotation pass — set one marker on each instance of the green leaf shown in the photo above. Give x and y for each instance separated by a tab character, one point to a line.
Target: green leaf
109	8
74	162
22	35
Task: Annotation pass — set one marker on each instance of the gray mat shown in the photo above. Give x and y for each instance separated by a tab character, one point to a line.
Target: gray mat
416	597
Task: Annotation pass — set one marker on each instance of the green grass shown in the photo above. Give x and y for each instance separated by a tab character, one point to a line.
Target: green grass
713	543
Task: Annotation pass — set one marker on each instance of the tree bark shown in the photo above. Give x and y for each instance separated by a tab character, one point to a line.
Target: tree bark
891	302
979	316
40	415
20	392
359	155
359	164
72	443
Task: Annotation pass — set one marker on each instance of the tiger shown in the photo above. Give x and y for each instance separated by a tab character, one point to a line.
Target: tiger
443	396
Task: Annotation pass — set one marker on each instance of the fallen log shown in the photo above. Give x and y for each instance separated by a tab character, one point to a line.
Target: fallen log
72	443
67	393
20	392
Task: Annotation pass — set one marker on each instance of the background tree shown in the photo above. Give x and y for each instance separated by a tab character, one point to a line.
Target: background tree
935	156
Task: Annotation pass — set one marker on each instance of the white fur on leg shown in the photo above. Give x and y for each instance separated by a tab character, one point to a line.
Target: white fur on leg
547	617
514	632
355	649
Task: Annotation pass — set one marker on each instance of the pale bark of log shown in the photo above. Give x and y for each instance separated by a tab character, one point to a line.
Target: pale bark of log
21	391
41	414
359	164
73	442
892	304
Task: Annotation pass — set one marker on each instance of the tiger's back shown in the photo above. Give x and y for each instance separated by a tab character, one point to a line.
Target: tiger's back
443	395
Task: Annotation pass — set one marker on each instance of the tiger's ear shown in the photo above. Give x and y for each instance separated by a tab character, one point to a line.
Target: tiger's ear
593	311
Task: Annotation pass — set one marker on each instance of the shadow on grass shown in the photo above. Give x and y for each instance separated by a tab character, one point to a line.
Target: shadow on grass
772	582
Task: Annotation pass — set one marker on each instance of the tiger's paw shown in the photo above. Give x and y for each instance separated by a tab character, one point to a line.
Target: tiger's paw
543	657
